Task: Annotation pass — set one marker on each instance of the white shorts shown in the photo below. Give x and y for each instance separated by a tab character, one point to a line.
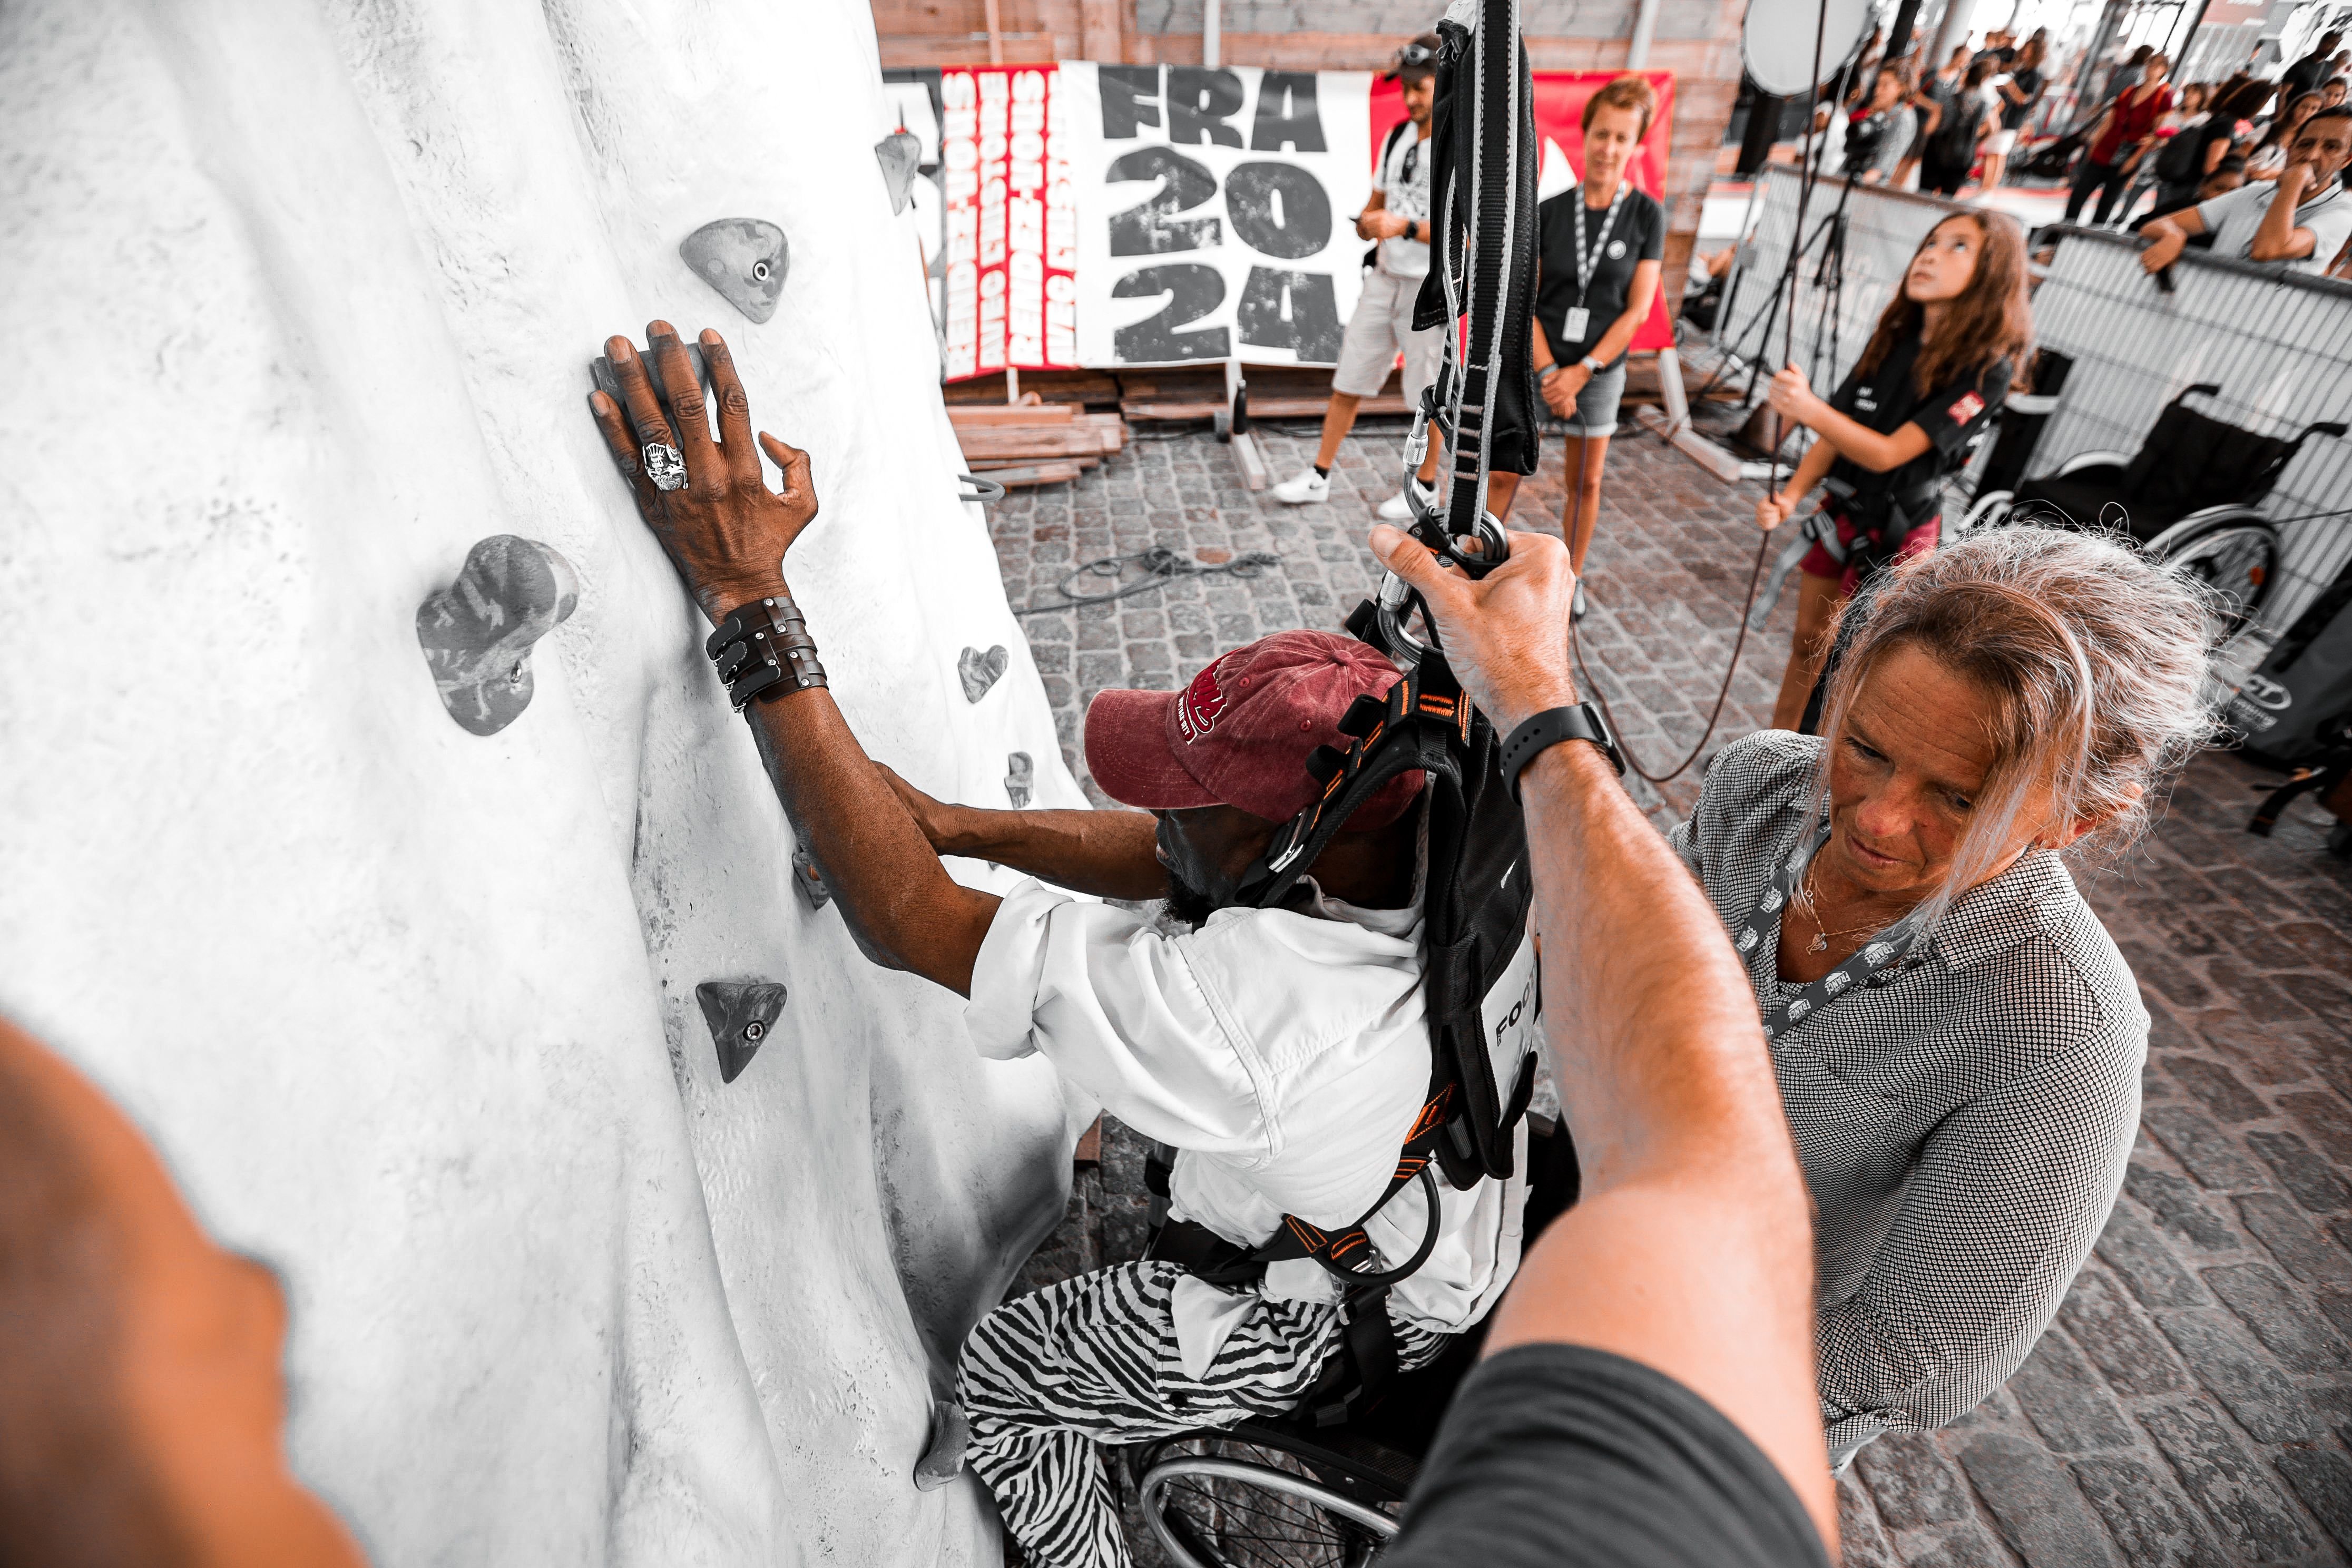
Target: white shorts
1381	326
2001	143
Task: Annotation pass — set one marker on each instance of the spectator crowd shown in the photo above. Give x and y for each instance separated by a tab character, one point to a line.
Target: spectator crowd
2248	167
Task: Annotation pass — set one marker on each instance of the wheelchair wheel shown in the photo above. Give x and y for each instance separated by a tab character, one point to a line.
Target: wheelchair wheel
1259	1497
2235	555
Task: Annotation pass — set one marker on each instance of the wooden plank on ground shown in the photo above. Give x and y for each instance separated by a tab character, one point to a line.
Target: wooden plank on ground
989	465
966	414
1036	474
1259	407
1037	441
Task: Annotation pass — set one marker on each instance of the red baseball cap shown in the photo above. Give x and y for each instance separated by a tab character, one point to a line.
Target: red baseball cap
1239	733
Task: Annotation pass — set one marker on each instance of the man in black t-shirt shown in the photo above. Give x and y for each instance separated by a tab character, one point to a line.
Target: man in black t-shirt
2307	73
1646	1399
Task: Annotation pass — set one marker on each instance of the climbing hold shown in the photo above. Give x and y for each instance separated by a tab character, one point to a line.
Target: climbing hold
806	878
899	153
986	492
740	1012
600	370
1017	772
942	1458
979	671
478	632
744	259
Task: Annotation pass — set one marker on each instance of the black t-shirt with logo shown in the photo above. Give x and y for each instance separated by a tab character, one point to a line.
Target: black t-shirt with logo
1887	399
1639	235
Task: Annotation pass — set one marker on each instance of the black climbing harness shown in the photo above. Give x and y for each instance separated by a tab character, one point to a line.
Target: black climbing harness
1480	986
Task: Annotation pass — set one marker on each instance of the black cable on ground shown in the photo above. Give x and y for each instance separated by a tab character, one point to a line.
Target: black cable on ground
1576	647
1161	566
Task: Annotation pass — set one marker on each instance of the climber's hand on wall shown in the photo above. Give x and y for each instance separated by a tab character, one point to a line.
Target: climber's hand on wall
726	530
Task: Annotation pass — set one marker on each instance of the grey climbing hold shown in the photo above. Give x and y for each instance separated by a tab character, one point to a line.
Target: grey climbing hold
744	259
810	881
740	1013
478	632
979	671
942	1458
600	371
1018	770
899	153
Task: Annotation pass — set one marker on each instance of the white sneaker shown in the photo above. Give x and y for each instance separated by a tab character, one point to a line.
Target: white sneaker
1308	487
1398	508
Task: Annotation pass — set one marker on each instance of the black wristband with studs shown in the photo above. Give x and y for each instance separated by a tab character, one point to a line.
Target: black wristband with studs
763	651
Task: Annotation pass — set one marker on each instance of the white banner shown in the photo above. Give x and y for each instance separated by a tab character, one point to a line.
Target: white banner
1215	210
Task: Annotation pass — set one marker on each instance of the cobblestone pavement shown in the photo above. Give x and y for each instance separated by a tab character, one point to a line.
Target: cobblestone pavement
2193	1403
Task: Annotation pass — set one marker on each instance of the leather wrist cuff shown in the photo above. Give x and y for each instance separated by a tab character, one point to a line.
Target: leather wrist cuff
763	651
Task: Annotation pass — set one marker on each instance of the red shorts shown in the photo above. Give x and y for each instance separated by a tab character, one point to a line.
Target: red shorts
1818	562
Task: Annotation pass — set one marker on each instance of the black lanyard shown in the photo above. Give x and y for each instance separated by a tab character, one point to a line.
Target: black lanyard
1881	952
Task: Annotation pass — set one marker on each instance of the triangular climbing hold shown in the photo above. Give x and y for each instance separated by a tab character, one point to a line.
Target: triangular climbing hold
740	1013
898	154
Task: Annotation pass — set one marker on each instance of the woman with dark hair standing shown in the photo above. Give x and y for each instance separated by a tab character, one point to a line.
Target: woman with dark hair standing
1968	119
2016	97
2268	160
2126	132
1940	363
2195	154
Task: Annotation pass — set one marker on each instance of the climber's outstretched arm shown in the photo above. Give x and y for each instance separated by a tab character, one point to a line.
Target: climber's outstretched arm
727	533
1110	854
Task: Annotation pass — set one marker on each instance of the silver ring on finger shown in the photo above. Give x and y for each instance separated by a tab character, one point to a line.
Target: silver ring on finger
665	465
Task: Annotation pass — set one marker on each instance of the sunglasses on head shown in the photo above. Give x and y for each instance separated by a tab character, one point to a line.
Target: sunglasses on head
1415	55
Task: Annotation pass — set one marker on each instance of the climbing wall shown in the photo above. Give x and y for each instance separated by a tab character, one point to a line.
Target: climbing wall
371	824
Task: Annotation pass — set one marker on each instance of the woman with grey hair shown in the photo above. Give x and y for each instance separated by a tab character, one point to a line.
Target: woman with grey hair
1958	1041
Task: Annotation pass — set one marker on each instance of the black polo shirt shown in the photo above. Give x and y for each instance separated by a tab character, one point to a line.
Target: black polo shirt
1639	235
1888	398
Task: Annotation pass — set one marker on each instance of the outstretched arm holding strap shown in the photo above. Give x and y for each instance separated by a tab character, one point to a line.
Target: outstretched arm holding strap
1691	1250
727	533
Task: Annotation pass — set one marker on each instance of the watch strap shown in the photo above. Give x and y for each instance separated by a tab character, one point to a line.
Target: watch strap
1550	728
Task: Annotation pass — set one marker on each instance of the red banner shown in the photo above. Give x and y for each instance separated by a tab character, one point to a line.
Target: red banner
1560	131
1009	236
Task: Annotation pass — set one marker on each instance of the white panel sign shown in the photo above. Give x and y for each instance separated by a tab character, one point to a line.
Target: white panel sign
1216	210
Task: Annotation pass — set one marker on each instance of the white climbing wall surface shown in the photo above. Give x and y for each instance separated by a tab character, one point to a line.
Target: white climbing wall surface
301	299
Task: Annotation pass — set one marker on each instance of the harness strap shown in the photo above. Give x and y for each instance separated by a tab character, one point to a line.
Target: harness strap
1424	710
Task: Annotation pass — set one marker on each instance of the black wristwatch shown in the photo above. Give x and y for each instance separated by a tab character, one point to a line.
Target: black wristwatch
1550	728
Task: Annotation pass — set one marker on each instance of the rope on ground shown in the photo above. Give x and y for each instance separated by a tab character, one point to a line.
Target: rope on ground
1161	566
1755	575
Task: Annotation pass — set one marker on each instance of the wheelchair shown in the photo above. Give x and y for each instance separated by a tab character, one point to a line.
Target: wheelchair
2190	497
1289	1491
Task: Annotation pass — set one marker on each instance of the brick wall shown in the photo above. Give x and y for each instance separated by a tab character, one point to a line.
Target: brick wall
1699	40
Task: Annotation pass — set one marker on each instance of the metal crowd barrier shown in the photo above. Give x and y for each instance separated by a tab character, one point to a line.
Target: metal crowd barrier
1880	231
2279	344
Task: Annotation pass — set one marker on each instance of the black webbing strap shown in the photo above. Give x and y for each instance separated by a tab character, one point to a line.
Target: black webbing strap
1344	1253
1419	716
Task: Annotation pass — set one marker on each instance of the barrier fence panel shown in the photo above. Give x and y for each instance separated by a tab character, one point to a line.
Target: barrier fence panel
2279	344
1859	240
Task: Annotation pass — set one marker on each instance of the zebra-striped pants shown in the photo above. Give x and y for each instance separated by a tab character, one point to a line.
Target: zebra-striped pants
1048	1376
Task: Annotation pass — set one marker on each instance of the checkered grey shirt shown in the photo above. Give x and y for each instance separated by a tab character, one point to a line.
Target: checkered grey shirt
1964	1119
